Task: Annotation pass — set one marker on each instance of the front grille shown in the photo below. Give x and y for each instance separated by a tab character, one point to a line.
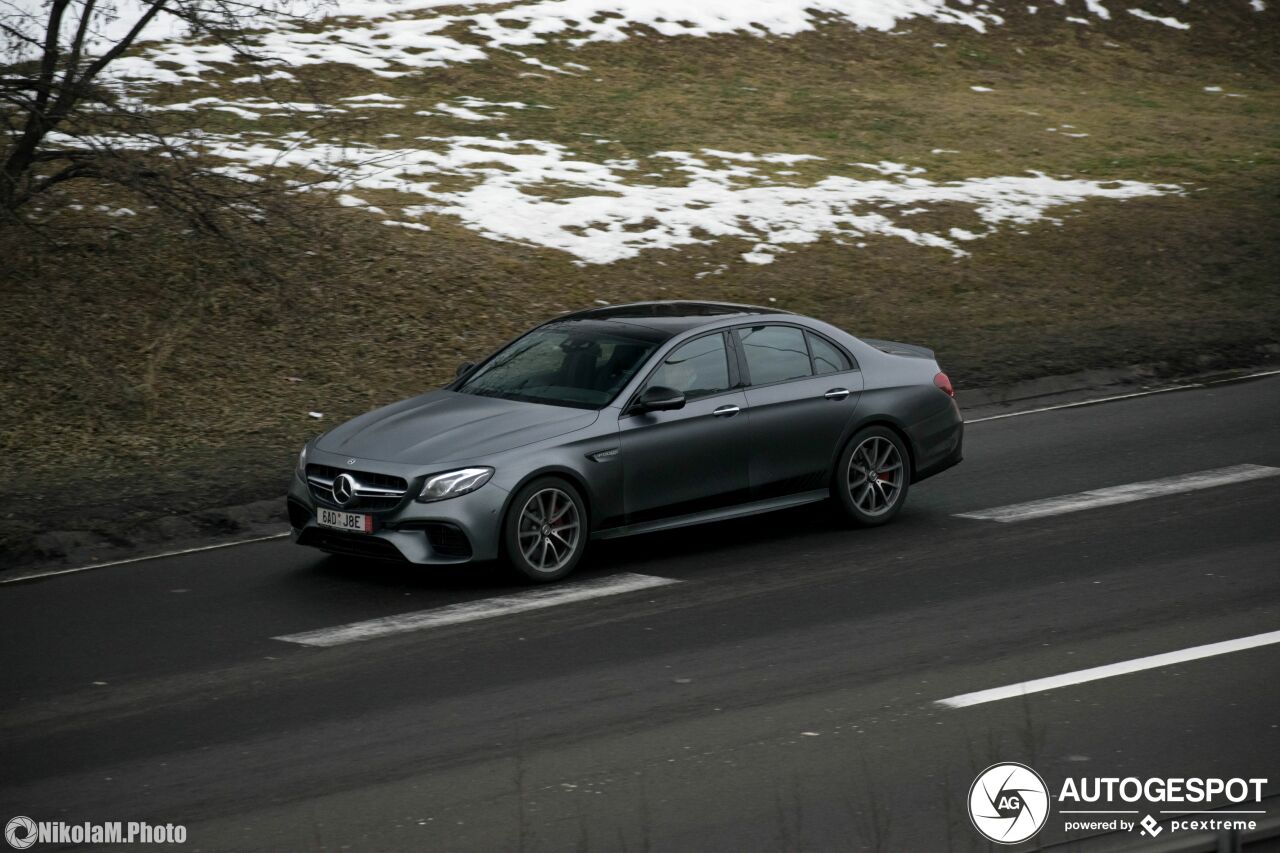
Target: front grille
371	491
351	544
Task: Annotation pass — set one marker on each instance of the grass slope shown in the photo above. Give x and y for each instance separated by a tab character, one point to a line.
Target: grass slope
148	372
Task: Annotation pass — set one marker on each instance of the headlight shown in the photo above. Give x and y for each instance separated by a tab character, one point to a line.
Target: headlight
301	470
453	483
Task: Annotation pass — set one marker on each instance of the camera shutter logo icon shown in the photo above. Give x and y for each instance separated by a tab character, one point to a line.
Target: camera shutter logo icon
20	832
1008	803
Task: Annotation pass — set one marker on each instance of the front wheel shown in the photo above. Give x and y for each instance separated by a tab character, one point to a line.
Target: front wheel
545	532
872	476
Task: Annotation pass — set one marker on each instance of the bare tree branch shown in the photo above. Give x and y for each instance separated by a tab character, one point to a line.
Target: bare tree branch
123	44
60	124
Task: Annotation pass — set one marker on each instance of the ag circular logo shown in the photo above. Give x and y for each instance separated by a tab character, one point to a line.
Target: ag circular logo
1008	803
20	832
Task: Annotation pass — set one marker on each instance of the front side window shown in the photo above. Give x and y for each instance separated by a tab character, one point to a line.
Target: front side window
561	366
775	353
697	369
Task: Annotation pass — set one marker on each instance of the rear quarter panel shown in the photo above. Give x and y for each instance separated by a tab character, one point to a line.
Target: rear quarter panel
899	390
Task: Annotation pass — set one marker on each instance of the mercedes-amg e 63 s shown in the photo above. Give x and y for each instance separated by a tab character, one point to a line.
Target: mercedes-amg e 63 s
629	419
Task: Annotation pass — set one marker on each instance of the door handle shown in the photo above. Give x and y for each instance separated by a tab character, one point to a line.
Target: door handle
837	394
726	411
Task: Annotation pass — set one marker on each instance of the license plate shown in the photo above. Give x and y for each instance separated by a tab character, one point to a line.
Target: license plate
353	521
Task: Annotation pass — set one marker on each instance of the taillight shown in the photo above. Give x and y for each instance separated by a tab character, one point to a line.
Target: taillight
943	384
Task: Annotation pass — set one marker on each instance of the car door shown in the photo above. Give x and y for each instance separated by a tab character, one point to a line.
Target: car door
802	390
694	458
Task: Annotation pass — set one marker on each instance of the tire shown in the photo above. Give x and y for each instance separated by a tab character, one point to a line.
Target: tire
869	500
538	549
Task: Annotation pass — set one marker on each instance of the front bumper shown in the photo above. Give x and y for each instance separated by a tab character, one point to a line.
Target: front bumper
457	530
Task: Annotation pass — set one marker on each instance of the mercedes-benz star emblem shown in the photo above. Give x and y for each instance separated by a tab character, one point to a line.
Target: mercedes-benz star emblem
344	489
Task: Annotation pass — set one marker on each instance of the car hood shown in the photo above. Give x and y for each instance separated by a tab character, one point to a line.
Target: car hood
444	426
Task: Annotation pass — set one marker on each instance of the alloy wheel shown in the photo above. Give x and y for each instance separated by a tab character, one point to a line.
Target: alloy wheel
549	530
875	476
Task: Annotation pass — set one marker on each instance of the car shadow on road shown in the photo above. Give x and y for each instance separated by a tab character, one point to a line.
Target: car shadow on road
722	539
752	541
482	576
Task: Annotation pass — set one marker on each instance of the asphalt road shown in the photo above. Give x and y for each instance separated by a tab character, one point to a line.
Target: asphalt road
780	696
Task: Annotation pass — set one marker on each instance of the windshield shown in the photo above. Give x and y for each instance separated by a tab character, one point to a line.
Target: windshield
565	366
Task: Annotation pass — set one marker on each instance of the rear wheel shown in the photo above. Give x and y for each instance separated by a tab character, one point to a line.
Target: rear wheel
545	532
872	476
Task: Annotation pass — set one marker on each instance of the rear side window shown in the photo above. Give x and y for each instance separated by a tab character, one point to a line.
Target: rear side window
775	353
698	369
827	357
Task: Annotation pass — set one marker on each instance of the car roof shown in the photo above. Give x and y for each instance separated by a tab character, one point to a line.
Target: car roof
668	317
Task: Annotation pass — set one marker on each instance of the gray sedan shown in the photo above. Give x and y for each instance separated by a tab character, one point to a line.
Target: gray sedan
629	419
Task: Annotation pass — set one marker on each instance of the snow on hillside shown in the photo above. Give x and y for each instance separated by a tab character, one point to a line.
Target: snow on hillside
512	188
617	213
397	37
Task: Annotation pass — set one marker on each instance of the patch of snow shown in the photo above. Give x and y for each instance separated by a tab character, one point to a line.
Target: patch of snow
747	157
981	89
1096	8
885	167
248	108
1168	22
758	257
513	191
457	112
538	63
278	74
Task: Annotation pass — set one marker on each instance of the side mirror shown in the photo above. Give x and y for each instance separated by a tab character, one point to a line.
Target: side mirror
463	369
658	398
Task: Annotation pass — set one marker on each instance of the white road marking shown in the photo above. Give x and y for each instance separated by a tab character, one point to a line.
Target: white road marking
1257	375
1123	494
470	611
1013	691
1092	402
30	576
1146	393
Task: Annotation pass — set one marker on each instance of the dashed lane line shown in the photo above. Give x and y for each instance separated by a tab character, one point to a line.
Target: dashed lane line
1127	493
471	611
1097	673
